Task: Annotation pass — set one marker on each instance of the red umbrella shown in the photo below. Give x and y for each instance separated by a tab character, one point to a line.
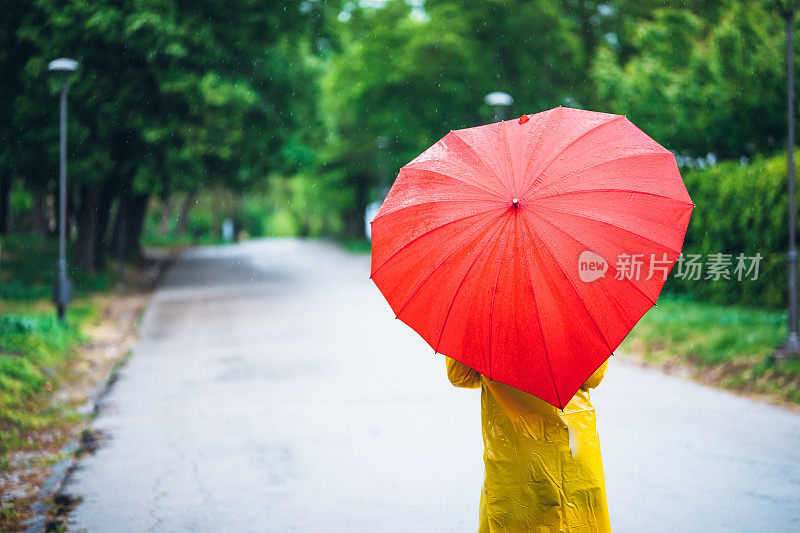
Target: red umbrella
528	249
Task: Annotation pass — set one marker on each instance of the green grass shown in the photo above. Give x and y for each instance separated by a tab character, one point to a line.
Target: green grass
35	348
35	351
357	246
728	345
708	333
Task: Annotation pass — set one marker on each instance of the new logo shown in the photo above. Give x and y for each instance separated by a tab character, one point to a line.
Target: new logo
591	266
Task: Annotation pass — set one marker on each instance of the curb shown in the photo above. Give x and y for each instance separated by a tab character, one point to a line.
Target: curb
61	470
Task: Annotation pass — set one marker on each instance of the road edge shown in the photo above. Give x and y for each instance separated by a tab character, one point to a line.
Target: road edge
54	483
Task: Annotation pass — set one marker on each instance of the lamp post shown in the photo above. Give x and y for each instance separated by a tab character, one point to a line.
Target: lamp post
499	102
62	291
790	348
383	170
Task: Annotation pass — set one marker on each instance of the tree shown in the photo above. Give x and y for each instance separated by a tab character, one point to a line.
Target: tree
410	76
694	82
172	96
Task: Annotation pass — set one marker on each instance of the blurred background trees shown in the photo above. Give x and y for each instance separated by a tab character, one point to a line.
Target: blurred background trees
172	97
289	117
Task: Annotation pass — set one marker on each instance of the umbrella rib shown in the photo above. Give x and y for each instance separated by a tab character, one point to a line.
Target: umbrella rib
567	147
595	165
415	239
443	261
432	202
539	206
478	157
535	148
476	185
491	314
638	289
574	289
584	191
541	330
458	290
508	158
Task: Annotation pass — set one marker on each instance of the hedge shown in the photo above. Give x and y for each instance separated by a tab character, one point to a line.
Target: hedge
739	209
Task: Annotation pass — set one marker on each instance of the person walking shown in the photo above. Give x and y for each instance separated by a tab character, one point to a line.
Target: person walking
543	472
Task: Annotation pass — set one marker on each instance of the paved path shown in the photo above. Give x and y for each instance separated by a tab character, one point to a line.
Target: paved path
272	390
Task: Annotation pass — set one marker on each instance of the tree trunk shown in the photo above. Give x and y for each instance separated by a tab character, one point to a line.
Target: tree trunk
166	216
183	214
137	209
40	214
128	226
354	219
120	233
86	217
5	203
101	233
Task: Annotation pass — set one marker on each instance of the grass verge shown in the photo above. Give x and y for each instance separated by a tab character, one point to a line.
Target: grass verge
727	346
35	350
44	370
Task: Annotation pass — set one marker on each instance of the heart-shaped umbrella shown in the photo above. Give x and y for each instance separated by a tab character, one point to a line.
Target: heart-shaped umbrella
528	249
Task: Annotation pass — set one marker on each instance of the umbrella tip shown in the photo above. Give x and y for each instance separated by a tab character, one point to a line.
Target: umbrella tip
523	119
515	201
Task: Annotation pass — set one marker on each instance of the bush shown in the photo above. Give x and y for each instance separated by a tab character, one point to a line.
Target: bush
740	209
28	269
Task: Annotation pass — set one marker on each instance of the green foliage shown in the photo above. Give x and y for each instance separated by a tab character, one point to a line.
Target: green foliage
410	78
176	83
302	204
27	269
171	97
695	83
740	209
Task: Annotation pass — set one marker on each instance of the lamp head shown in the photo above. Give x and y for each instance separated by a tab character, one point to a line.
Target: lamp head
63	68
63	64
498	98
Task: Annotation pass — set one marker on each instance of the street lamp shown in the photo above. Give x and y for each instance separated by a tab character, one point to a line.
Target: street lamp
790	348
499	102
64	68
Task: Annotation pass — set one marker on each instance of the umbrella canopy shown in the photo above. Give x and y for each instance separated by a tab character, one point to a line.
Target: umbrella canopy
528	249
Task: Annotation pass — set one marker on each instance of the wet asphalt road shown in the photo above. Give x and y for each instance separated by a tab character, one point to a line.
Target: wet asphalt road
272	390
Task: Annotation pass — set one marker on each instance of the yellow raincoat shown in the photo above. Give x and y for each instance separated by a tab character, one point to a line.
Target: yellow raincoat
543	466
